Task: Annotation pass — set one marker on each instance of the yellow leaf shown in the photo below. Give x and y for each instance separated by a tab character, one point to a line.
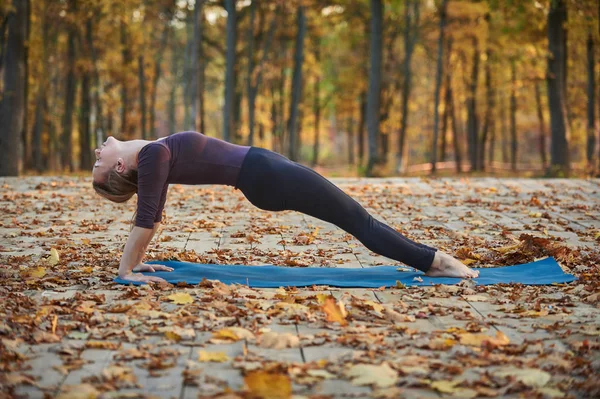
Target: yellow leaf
321	298
334	311
479	339
181	298
173	336
265	385
219	357
233	334
54	258
38	272
444	386
87	270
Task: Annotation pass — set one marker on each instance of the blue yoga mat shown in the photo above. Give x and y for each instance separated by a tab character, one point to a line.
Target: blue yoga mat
542	272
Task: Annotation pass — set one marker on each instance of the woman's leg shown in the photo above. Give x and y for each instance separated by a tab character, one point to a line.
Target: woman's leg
273	182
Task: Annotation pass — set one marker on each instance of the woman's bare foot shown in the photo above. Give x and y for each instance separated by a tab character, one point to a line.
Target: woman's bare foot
445	265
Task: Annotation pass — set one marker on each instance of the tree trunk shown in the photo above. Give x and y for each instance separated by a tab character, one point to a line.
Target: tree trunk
41	101
173	92
350	133
361	126
444	143
542	124
85	128
156	77
373	95
455	135
255	80
472	122
317	105
504	129
99	128
513	115
228	106
126	56
591	105
488	124
67	145
196	42
438	85
142	83
24	130
410	40
12	105
292	126
559	126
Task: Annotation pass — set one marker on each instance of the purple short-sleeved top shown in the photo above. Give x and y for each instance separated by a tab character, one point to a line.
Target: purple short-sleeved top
182	158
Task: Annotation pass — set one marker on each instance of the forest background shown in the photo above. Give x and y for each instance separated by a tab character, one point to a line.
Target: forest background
353	87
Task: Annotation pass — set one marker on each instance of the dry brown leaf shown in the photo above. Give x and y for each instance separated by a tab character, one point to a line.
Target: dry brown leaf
103	345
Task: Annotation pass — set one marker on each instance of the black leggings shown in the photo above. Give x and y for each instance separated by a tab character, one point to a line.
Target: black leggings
272	182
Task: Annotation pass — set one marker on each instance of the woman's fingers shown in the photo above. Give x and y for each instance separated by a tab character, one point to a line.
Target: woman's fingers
162	268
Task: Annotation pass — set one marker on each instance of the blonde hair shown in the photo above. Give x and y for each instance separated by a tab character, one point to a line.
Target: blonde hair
118	187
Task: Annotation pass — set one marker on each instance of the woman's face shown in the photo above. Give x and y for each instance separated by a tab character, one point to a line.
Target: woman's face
107	157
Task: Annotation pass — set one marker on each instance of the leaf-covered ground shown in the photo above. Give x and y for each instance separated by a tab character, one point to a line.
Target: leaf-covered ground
66	330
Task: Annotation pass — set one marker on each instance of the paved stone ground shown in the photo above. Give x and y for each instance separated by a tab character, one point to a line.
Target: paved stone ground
65	324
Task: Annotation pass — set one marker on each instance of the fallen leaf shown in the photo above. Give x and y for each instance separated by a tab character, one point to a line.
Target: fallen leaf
54	258
81	391
102	345
265	385
534	378
381	376
479	339
219	357
335	311
476	298
181	298
38	272
278	341
233	334
45	337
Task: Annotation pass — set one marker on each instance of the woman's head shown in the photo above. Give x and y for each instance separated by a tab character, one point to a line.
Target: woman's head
112	177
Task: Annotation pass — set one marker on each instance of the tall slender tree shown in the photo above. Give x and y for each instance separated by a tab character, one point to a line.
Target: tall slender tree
228	123
438	85
12	104
374	92
293	120
556	78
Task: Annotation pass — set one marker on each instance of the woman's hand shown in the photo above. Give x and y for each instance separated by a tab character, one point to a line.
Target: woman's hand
138	277
144	267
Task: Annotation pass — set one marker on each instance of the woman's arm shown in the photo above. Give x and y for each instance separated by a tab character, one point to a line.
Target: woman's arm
134	252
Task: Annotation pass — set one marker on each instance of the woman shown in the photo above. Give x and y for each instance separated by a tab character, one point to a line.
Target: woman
269	181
